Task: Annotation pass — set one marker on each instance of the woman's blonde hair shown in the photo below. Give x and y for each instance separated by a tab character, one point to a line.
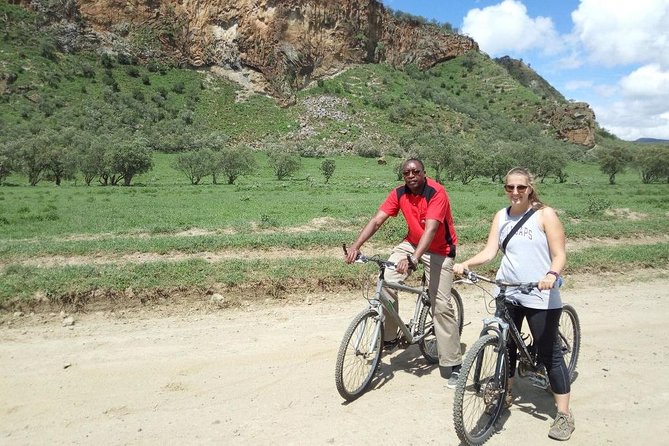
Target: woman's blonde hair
533	197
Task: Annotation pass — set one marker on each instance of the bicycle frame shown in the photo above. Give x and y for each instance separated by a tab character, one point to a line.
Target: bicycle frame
504	329
502	324
387	303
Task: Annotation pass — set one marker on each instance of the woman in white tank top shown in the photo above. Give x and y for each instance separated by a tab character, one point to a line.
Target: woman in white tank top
535	253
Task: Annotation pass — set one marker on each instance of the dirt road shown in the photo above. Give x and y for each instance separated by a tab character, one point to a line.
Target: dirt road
265	375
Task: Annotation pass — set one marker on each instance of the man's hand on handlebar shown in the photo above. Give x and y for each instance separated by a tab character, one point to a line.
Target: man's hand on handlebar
404	266
350	254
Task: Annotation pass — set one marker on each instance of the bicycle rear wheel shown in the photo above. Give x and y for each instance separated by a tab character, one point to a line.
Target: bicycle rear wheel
359	354
428	345
481	389
569	332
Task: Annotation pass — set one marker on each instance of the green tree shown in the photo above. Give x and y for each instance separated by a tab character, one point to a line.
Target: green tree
234	161
328	168
129	158
6	160
32	157
653	163
467	161
284	163
195	164
498	159
613	160
550	159
61	159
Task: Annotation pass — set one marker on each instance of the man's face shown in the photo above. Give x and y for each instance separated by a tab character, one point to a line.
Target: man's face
413	174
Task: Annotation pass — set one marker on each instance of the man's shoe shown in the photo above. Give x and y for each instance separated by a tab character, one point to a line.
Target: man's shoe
453	378
562	426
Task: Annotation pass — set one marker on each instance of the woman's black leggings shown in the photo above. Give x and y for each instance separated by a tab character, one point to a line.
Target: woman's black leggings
544	327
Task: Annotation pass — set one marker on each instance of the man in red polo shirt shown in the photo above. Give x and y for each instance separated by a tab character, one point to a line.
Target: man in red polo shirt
430	240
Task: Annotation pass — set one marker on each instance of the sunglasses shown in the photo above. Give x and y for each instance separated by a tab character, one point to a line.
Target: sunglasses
519	187
408	172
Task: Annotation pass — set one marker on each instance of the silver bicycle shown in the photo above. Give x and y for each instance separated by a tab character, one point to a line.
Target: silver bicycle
482	386
361	348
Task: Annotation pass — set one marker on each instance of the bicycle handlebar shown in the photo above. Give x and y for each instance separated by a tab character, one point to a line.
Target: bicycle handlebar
525	287
361	258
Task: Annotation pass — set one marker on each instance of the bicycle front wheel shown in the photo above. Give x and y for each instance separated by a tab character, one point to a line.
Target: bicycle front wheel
359	355
481	389
428	345
569	333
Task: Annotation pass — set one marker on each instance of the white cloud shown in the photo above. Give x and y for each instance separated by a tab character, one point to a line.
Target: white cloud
620	32
627	120
648	81
643	109
506	28
577	85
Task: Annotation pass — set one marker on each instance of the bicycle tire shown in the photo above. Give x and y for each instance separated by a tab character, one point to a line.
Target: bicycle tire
569	332
359	355
480	394
428	345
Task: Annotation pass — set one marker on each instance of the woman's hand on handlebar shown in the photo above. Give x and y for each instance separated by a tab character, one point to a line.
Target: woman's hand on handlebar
459	268
547	282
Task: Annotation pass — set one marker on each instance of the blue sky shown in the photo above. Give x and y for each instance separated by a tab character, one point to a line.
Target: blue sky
612	54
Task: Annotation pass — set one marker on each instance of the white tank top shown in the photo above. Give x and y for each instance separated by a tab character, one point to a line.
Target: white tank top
527	259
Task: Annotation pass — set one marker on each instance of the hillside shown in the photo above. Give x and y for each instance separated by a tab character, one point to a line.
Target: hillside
251	71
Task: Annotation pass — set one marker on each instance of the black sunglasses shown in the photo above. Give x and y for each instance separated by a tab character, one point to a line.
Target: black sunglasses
408	172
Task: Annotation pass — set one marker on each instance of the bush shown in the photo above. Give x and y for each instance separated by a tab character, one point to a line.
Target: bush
284	163
327	168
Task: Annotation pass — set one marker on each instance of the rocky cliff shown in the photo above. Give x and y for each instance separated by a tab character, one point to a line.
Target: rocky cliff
285	44
290	42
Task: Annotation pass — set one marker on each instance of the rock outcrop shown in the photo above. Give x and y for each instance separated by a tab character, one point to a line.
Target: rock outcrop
573	122
290	42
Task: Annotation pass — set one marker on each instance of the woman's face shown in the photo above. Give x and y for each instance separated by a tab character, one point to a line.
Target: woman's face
517	189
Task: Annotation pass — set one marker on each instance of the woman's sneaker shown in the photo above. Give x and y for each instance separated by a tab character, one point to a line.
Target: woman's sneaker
562	426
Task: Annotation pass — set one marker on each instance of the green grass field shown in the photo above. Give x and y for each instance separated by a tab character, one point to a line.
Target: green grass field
260	213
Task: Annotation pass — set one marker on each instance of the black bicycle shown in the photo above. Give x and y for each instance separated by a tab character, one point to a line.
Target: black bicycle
482	386
360	351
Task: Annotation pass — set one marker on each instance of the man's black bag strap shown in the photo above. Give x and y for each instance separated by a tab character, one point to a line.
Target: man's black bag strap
518	225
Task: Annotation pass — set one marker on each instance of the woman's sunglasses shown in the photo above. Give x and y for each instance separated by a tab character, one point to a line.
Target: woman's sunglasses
519	187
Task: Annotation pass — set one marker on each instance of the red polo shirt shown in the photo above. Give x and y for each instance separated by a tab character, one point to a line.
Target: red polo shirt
430	203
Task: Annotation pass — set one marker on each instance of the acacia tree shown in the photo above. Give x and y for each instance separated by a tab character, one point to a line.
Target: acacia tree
468	161
90	155
130	158
234	161
32	158
327	168
284	163
195	164
653	163
613	160
6	160
498	159
549	160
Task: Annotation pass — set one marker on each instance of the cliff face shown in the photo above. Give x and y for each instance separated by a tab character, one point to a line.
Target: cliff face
286	43
290	42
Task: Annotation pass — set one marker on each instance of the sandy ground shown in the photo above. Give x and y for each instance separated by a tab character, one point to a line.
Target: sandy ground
265	375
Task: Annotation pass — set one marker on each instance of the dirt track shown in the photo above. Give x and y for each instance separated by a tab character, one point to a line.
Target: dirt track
265	375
